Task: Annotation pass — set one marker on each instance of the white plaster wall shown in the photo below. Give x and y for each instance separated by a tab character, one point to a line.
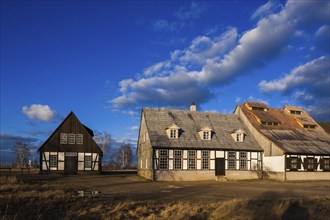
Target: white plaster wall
211	154
81	156
60	155
80	165
60	165
212	164
185	164
220	154
275	163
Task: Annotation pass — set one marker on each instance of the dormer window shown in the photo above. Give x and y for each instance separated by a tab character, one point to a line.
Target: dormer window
269	123
205	133
238	135
173	131
295	112
310	126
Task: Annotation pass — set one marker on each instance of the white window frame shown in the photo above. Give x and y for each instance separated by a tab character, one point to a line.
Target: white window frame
53	161
243	160
231	160
178	159
192	159
64	138
71	138
163	159
173	133
88	163
205	160
79	139
206	135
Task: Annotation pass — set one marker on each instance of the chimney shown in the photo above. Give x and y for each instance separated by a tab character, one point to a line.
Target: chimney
193	107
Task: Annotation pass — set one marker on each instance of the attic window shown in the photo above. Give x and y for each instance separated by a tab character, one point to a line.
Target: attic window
270	123
173	131
63	138
205	133
295	112
258	109
238	135
310	126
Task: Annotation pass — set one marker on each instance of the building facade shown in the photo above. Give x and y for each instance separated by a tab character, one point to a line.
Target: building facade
70	149
178	145
295	146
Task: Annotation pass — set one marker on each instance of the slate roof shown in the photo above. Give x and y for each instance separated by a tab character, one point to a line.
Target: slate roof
222	125
289	135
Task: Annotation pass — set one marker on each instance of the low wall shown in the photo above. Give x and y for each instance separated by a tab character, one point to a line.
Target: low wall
202	175
307	176
241	175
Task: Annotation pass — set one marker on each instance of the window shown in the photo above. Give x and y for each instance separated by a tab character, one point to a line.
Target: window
239	137
63	138
206	135
326	164
232	160
53	161
173	133
163	159
310	126
79	139
88	161
191	159
72	138
177	159
258	109
242	160
310	164
295	112
205	159
293	163
263	123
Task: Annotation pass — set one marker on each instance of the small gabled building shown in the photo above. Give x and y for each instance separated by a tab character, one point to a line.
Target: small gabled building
178	145
70	149
295	146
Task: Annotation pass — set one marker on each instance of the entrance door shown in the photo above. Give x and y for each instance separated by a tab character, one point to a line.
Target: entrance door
220	166
71	164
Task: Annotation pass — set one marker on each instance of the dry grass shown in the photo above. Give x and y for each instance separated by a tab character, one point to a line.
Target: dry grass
48	201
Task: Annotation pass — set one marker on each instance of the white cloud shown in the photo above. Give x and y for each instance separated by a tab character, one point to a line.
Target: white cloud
308	84
195	10
265	9
190	73
39	112
135	128
314	74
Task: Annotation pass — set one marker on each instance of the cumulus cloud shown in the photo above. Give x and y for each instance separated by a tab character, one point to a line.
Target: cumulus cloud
307	84
195	10
266	9
190	74
135	128
313	75
39	112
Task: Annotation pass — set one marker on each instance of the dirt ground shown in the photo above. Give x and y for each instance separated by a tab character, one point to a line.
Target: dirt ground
128	185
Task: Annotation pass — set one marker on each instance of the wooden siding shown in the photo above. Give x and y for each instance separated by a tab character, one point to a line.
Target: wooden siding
71	124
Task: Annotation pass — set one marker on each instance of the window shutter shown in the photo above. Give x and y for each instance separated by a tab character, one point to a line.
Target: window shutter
288	163
315	164
322	164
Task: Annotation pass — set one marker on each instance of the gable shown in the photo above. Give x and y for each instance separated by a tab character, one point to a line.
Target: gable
71	125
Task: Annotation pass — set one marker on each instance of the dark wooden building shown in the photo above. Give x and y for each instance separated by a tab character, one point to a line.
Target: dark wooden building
70	149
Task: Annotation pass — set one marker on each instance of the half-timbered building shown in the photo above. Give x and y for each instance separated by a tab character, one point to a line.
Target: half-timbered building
295	146
70	149
178	145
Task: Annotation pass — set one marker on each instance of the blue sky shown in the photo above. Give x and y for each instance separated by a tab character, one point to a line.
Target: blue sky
105	60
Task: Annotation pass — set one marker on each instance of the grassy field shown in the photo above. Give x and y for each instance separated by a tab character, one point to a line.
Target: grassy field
22	200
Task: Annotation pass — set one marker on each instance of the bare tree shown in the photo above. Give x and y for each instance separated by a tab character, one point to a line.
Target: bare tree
103	139
125	154
22	153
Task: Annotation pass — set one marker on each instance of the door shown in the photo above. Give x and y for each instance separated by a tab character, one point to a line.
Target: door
71	164
220	167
